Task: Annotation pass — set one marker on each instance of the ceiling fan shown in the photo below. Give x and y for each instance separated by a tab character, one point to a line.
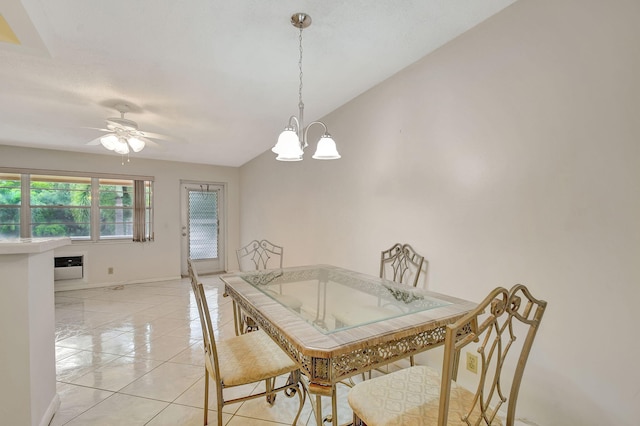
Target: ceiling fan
123	135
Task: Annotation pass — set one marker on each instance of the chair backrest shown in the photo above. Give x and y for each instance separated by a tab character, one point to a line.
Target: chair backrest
401	264
492	328
208	337
257	255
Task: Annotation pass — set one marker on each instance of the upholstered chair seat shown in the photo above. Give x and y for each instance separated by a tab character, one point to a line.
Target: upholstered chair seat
253	366
421	396
241	360
409	397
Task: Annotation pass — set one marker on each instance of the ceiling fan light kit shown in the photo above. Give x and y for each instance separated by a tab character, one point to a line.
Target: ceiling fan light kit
293	140
124	136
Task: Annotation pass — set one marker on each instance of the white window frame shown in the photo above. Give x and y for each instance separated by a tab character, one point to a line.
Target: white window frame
25	205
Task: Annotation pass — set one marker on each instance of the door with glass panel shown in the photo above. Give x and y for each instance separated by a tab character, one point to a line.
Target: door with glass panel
203	226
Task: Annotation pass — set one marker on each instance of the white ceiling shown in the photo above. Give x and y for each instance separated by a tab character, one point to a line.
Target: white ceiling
219	77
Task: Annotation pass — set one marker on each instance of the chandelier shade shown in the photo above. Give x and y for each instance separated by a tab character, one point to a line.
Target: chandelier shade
122	144
136	144
109	141
121	147
288	147
293	140
326	149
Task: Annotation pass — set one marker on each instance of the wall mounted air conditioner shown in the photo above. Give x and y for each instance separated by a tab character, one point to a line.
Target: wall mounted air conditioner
68	268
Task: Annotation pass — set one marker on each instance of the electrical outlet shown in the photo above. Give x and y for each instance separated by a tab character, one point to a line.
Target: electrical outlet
110	270
472	362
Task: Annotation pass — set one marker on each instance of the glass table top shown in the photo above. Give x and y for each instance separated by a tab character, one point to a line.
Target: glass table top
334	299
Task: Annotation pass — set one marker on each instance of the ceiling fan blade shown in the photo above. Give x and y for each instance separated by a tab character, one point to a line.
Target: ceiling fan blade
154	135
150	143
125	128
161	137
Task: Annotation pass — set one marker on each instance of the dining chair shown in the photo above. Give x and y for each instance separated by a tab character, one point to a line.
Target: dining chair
401	263
241	360
258	256
421	395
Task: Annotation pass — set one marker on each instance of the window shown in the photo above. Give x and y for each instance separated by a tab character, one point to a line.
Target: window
116	208
60	206
125	209
85	207
10	197
203	225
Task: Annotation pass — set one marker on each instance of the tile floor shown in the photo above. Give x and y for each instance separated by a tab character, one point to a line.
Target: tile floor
132	355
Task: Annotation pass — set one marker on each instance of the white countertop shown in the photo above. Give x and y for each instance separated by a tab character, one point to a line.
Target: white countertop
31	245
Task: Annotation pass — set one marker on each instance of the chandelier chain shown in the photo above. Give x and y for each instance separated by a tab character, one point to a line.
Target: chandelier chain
300	104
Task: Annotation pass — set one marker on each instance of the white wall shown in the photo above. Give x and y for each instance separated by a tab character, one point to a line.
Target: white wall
135	262
512	154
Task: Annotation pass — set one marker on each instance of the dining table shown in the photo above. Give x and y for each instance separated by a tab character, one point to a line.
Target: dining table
337	323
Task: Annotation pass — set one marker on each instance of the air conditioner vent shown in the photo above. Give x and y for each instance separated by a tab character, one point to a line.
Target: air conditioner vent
68	268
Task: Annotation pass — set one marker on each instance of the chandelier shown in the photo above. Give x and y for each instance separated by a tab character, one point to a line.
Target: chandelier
293	140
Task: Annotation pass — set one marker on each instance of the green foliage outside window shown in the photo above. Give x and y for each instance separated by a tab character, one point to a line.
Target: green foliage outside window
63	206
60	207
10	194
116	208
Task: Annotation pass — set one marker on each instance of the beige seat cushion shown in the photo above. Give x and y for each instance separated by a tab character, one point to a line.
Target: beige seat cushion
409	397
250	358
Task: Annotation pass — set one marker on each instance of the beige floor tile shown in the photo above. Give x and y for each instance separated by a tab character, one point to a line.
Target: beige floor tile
167	284
82	294
112	306
62	352
282	411
87	340
65	330
167	291
75	400
134	294
194	396
143	341
182	415
122	344
162	348
117	374
89	319
165	383
79	364
191	330
193	355
67	315
73	303
246	421
120	409
133	322
186	311
164	325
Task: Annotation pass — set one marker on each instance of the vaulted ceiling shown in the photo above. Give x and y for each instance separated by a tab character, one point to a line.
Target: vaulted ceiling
217	78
